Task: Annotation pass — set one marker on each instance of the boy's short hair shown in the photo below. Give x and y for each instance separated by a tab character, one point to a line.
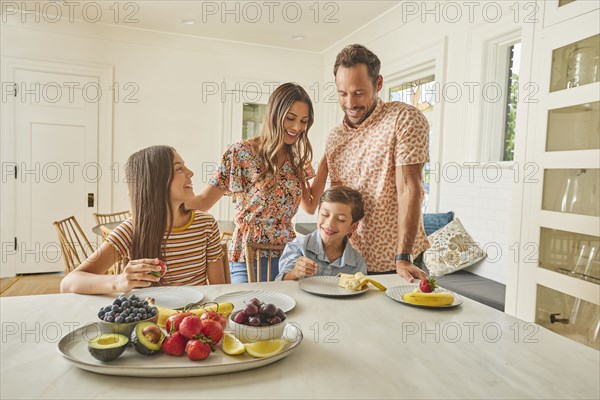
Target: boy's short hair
345	195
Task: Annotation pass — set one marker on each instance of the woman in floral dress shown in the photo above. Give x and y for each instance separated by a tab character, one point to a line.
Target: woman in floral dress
268	175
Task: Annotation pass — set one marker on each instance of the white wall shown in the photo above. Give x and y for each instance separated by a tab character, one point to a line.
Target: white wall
170	71
399	38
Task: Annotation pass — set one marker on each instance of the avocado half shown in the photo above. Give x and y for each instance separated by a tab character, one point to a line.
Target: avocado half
107	347
147	338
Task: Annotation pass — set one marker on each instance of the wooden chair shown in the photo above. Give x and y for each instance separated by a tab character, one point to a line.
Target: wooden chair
225	259
226	236
74	244
254	252
102	219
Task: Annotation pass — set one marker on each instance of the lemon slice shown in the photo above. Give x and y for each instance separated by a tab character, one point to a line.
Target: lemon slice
265	348
231	345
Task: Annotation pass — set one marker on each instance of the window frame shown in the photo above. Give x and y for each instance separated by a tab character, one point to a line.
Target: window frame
493	120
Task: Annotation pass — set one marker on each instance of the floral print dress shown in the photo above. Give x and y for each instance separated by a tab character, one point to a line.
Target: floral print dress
265	207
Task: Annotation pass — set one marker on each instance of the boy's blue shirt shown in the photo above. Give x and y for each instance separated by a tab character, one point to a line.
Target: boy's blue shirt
311	246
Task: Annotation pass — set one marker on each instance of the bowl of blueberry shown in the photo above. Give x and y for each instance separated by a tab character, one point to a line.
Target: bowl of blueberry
124	313
257	321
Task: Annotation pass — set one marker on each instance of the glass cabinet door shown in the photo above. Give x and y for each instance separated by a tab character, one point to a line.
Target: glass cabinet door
574	191
559	285
569	316
576	64
574	128
569	253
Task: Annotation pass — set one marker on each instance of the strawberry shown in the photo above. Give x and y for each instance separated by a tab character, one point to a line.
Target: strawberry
174	344
163	269
174	321
190	326
427	285
197	349
213	330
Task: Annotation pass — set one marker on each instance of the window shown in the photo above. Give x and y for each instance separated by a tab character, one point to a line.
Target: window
510	115
500	91
252	119
420	93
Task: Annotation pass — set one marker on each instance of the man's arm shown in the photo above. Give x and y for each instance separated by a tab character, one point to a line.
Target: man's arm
409	184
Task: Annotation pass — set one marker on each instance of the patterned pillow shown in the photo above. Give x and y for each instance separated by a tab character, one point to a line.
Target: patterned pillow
452	249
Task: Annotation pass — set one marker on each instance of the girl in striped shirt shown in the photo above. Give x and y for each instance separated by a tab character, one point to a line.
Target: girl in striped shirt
161	228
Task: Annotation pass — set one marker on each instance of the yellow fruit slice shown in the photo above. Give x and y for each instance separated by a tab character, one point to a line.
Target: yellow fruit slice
429	299
265	348
231	345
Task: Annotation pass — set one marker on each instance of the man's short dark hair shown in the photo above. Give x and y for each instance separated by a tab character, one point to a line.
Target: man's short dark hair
345	195
356	54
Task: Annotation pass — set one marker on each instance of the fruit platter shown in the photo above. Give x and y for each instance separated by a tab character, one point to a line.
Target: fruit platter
202	339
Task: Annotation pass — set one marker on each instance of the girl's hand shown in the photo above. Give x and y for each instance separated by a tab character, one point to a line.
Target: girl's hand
304	267
137	274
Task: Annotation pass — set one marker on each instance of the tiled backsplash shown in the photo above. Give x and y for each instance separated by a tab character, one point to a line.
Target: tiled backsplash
481	199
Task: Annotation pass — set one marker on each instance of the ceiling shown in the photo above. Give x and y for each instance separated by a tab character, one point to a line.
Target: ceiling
271	23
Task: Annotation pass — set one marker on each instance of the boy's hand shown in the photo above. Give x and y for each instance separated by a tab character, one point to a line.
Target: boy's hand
304	267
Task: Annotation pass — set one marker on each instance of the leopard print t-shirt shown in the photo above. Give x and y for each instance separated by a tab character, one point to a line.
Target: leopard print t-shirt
365	159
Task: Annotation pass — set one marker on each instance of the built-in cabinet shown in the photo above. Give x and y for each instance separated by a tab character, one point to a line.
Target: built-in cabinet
559	280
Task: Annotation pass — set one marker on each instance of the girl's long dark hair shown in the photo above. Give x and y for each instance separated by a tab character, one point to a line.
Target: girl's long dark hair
149	174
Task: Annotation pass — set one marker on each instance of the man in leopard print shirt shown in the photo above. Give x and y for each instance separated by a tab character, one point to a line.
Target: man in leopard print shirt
379	149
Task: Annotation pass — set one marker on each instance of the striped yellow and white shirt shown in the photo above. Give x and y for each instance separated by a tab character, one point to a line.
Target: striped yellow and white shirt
188	248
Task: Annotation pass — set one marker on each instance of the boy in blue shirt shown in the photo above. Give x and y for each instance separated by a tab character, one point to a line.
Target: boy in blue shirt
327	251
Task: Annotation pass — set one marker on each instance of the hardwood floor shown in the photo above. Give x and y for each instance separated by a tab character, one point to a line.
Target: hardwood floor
31	284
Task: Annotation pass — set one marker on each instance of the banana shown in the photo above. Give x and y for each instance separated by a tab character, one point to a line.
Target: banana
164	313
357	281
377	284
428	299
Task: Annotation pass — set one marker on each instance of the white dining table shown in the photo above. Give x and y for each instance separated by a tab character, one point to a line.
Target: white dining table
364	346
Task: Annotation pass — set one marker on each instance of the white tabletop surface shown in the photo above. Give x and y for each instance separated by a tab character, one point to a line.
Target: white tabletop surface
366	346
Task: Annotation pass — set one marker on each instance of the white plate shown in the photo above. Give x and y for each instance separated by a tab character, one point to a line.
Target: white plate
239	299
327	286
171	296
396	293
73	347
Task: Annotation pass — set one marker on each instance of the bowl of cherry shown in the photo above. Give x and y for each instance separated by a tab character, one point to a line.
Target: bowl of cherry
257	321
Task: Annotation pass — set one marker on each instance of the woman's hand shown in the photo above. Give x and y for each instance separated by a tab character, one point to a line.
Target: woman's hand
304	267
137	274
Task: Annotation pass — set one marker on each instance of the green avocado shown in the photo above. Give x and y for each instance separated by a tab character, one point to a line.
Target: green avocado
147	338
107	347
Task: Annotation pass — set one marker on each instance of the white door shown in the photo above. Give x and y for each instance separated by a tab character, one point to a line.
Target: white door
56	143
244	112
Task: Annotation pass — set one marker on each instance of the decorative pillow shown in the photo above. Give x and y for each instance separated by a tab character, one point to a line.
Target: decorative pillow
452	249
434	222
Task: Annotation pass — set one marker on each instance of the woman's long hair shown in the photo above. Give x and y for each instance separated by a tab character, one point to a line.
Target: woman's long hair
271	138
149	175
